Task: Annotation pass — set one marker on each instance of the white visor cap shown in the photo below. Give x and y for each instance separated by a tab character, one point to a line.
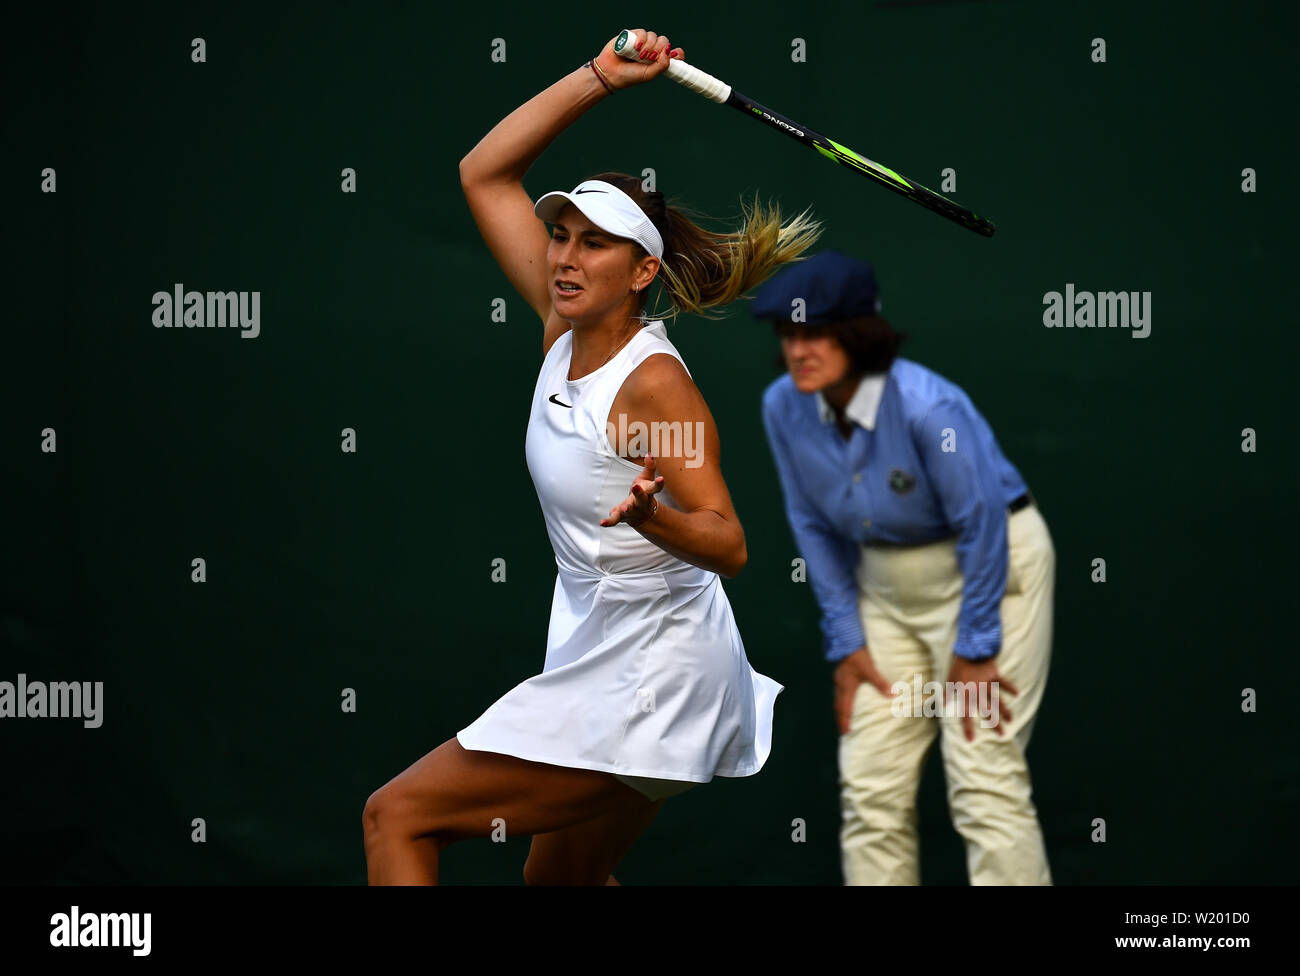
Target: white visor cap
609	208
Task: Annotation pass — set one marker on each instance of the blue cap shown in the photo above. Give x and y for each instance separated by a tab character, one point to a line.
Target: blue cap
832	285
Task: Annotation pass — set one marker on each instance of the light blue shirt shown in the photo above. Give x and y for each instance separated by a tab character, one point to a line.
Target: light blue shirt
922	464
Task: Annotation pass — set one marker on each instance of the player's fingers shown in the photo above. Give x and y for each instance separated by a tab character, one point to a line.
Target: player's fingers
677	54
646	46
1005	685
643	503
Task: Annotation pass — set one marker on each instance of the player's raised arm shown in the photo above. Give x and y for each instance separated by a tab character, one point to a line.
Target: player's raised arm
492	173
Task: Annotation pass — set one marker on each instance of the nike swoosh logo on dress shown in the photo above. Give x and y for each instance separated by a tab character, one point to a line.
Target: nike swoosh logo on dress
558	403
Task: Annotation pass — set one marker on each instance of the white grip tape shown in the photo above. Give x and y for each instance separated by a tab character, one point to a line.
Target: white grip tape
698	81
689	76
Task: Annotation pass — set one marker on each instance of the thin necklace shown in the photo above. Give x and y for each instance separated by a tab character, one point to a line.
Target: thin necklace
611	355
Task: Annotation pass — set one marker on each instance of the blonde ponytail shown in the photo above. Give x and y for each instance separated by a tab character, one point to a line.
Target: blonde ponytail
703	269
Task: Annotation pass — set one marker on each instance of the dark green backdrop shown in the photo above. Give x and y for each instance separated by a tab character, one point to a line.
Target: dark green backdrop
372	570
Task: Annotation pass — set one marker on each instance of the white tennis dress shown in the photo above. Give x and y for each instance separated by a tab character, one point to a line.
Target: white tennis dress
645	673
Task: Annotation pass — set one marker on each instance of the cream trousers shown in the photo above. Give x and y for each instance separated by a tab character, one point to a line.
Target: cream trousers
909	600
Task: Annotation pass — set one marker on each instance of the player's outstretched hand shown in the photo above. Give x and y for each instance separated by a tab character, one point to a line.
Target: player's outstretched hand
639	506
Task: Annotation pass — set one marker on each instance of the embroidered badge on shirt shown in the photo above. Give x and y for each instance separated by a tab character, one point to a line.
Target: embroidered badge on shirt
901	482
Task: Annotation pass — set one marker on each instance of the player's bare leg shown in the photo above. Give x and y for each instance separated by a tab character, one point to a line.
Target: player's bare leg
453	793
587	853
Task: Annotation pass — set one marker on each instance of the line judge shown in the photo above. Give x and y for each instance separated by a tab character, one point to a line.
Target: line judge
927	557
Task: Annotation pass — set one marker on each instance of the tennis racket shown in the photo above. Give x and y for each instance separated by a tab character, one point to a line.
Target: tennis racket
711	88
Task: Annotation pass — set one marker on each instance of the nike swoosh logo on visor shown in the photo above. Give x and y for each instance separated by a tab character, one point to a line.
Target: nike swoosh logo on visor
591	191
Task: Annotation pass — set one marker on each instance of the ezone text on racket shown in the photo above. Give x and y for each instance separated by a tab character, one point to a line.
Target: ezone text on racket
784	125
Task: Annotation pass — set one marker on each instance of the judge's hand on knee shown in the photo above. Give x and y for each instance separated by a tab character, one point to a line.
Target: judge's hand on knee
981	693
855	670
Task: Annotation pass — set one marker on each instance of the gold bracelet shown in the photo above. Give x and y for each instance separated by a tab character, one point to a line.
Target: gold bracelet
592	66
596	64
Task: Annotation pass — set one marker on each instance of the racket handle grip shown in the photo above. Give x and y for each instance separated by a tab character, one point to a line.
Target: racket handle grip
700	82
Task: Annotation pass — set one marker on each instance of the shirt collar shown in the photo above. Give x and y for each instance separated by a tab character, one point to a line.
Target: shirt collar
863	406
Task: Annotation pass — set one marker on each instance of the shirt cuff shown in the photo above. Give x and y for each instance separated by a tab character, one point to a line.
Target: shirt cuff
843	636
977	650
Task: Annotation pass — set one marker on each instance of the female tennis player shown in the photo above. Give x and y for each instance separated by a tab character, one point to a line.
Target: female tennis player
646	689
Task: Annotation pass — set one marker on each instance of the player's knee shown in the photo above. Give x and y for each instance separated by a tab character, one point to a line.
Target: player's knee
384	813
391	813
375	815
